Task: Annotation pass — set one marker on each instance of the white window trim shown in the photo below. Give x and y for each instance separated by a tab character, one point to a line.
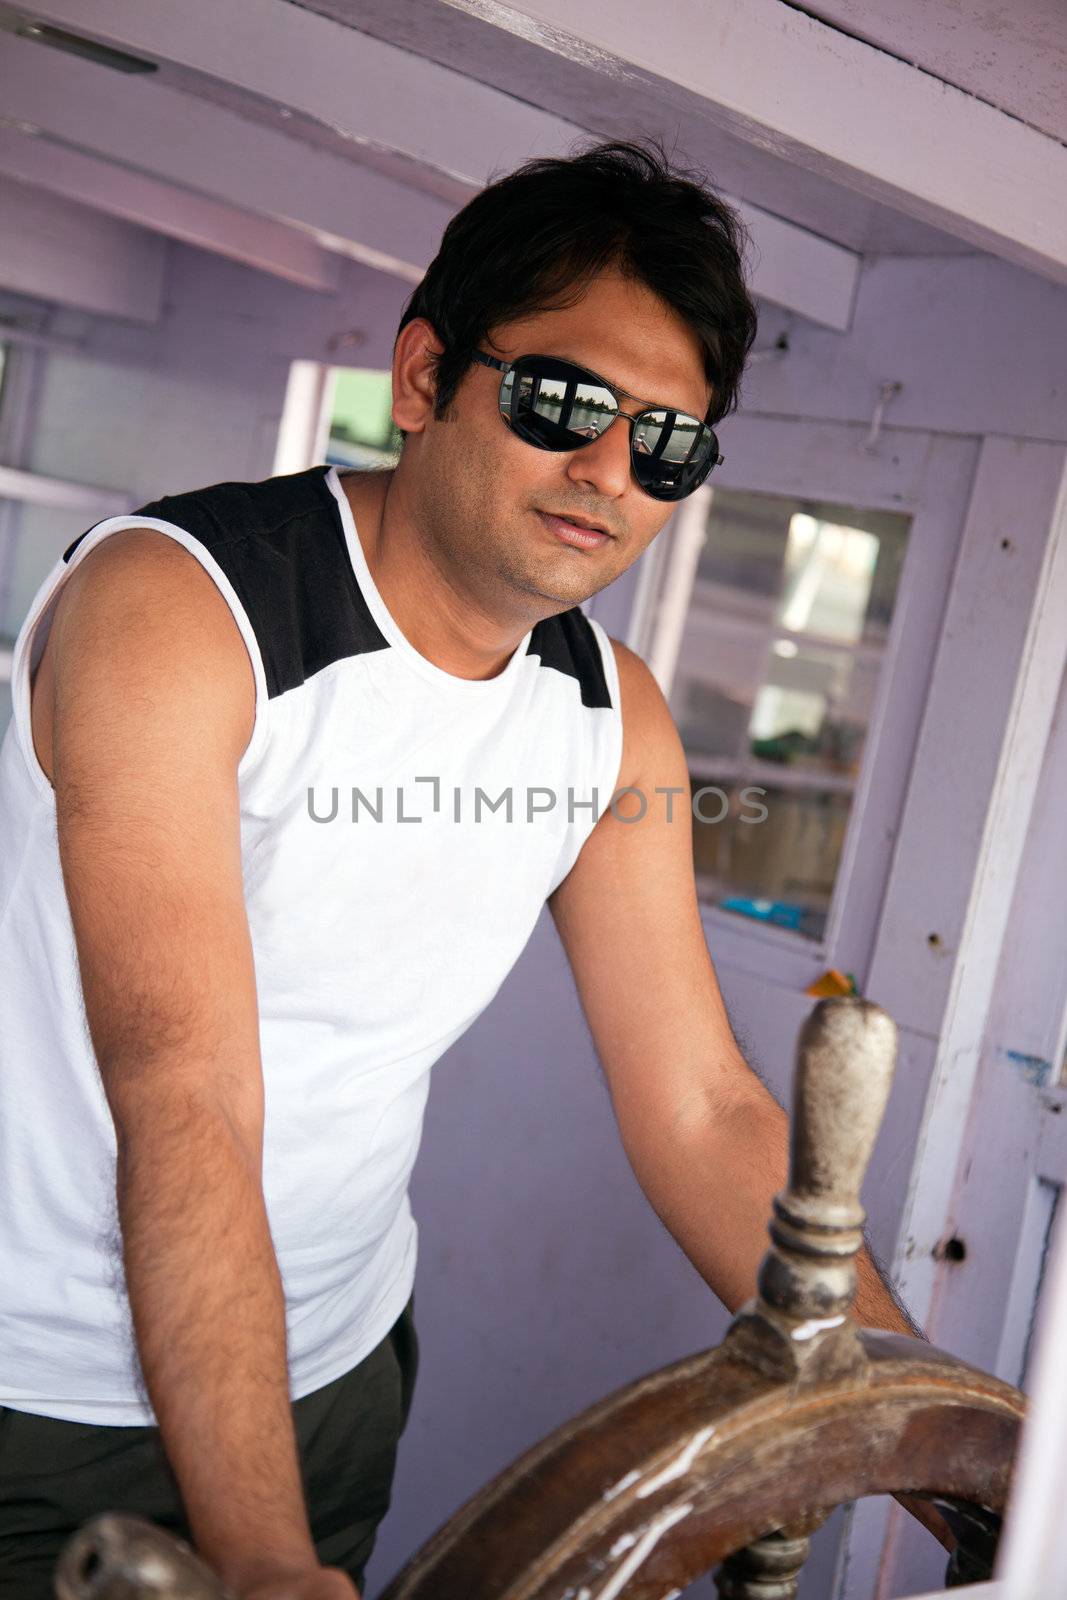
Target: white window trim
305	426
923	481
59	494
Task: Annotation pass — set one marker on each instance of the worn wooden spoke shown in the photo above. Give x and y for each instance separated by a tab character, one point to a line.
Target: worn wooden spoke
767	1570
732	1456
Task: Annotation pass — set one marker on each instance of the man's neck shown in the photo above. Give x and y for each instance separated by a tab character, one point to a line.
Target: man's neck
438	620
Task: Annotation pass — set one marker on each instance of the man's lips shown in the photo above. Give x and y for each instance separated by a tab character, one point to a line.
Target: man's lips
576	531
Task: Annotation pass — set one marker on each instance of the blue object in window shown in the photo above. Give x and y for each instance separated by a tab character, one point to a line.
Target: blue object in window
779	912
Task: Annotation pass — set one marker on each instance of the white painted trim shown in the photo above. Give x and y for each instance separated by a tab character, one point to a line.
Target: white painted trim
687	535
168	209
59	495
305	424
1032	1560
1019	1302
1040	669
649	583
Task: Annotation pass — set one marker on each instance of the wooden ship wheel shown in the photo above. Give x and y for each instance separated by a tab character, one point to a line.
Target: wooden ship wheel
727	1460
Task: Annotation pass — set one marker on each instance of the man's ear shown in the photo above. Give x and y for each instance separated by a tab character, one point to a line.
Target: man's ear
414	387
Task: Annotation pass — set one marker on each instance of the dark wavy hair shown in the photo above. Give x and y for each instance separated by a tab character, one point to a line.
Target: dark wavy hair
534	240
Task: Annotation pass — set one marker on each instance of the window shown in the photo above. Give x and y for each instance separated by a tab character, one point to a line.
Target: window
336	414
773	687
361	431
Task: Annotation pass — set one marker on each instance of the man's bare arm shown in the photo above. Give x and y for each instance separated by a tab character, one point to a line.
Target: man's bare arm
706	1140
151	706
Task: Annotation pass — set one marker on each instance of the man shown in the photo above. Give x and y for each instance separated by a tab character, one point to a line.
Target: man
202	690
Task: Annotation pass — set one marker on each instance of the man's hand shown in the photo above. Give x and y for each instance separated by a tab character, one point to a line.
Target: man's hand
305	1583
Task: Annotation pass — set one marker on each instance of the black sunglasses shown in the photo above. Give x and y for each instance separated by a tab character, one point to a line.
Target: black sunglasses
556	405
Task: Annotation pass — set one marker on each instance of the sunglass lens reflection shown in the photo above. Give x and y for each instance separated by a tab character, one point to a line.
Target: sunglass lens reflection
558	407
562	411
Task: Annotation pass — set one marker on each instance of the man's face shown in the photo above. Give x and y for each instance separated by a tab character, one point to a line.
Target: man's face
477	490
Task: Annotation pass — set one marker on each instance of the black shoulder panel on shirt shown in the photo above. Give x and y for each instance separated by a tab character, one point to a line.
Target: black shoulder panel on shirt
567	643
282	545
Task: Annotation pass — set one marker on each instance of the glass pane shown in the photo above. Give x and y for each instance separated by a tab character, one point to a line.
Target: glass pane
773	694
828	574
362	433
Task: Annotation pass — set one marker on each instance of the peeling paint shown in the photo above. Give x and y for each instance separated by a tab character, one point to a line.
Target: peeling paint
620	1545
623	1483
560	42
814	1325
1032	1069
644	1547
681	1463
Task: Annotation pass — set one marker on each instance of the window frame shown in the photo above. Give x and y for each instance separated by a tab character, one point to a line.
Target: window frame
923	475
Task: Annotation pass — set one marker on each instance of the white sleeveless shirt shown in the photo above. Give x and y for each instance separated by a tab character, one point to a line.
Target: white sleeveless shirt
401	829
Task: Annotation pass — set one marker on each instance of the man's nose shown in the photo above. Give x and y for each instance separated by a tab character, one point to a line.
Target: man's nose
604	463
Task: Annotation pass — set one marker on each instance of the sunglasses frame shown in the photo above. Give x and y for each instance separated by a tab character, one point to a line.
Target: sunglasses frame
508	412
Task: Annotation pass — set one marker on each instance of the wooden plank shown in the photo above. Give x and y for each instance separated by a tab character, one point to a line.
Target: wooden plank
794	268
55	250
165	208
1033	1556
1012	53
777	78
939	507
976	771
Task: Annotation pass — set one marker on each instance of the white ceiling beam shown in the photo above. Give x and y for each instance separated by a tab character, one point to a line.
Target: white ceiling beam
769	74
378	95
68	253
149	128
164	208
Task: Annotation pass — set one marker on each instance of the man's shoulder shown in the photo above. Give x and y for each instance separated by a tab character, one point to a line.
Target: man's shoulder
651	741
221	513
642	696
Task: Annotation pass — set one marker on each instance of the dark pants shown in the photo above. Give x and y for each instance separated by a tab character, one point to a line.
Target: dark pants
55	1475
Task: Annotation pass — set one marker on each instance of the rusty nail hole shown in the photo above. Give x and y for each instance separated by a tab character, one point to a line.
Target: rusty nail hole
952	1249
934	941
1005	544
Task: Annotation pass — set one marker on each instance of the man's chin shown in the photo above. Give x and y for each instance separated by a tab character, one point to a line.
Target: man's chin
556	601
563	591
